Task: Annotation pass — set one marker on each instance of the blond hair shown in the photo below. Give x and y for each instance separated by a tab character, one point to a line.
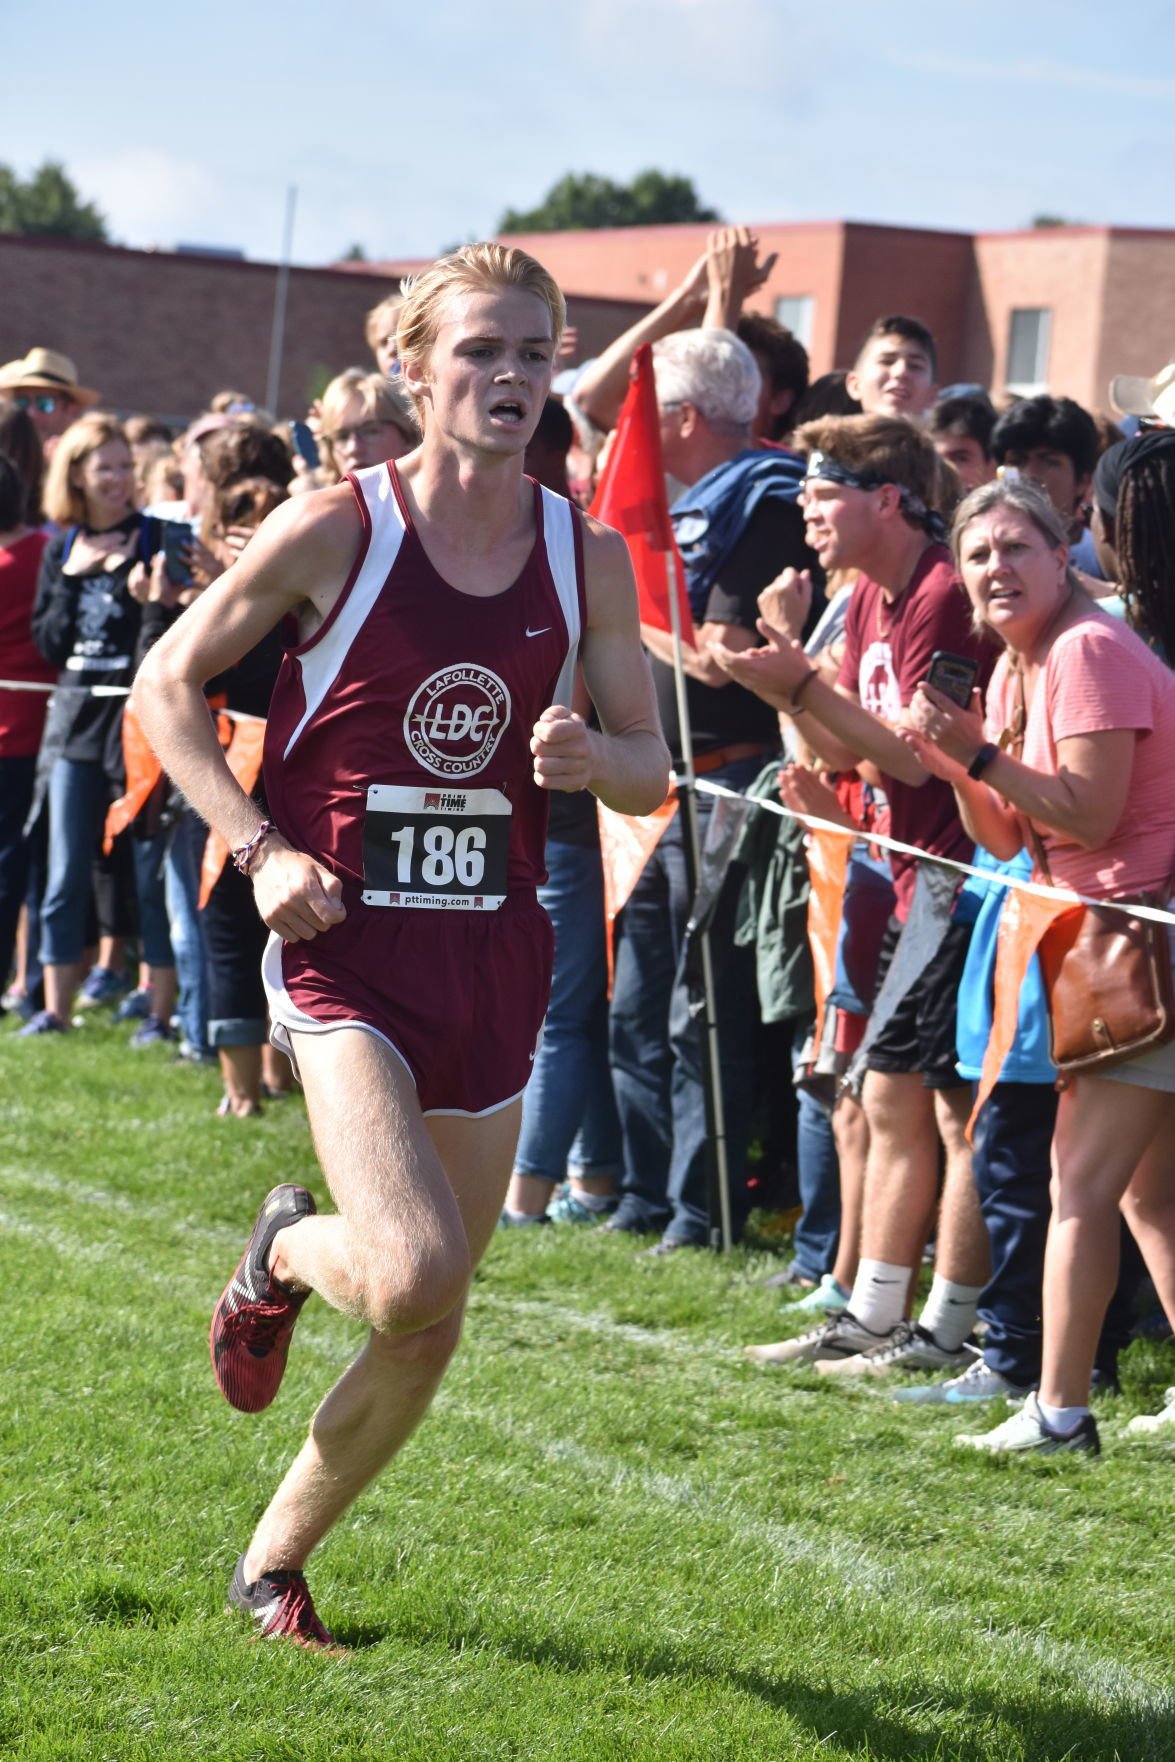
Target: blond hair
381	400
472	269
63	501
378	318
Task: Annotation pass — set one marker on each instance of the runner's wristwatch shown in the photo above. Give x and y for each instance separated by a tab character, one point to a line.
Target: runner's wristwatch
983	758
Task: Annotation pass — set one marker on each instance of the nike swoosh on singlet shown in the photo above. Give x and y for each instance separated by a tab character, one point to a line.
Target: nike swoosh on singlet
541	632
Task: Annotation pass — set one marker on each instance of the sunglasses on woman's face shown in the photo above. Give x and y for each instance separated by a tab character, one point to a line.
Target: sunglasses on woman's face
44	403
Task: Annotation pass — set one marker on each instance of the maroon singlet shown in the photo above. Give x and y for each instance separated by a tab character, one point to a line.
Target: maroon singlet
397	753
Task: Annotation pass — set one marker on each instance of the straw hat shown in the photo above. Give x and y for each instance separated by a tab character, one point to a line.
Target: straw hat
1133	396
49	370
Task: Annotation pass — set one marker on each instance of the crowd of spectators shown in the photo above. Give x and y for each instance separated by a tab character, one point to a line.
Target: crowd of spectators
928	615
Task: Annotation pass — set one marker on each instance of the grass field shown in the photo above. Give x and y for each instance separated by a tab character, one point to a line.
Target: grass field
613	1538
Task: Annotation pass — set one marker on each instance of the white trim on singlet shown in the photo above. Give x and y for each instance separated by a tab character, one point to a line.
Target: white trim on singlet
559	530
320	664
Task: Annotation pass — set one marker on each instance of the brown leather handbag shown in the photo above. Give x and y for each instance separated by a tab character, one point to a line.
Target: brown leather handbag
1107	977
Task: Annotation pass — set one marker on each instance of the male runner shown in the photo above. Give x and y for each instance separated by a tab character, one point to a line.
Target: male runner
439	604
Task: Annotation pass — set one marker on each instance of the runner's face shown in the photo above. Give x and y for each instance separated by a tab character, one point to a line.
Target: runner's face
106	478
1014	577
894	377
489	372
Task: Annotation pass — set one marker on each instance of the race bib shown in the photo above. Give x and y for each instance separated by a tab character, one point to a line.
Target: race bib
440	849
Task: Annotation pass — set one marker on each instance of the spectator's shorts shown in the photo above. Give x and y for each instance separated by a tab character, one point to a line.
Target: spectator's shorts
919	1038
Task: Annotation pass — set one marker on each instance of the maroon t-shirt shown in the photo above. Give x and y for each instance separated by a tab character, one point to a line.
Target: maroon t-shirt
887	653
22	713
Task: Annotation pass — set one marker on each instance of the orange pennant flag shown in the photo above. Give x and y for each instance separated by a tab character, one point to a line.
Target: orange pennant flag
245	744
828	863
627	841
143	772
1024	922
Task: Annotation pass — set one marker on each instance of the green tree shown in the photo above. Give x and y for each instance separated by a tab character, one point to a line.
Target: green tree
47	205
582	200
356	254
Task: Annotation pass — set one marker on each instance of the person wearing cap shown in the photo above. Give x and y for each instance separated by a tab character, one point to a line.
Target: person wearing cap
867	494
45	384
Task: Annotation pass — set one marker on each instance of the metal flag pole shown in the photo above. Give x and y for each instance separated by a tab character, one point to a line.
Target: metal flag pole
277	336
718	1184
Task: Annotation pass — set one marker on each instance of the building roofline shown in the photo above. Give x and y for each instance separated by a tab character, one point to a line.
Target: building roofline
94	248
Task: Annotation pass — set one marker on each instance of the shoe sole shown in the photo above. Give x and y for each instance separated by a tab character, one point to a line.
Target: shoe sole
225	1381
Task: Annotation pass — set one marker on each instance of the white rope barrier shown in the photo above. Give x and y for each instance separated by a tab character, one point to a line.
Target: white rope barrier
1153	913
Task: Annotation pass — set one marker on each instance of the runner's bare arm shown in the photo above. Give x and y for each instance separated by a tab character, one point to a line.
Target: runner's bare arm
627	764
297	562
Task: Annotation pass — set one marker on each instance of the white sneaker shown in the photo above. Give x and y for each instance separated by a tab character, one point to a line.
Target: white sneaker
841	1336
910	1347
977	1383
1155	1422
1027	1431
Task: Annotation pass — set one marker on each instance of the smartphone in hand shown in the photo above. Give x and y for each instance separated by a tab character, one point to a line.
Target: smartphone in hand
176	545
954	676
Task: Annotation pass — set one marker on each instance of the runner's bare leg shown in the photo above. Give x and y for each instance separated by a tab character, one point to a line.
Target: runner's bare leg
418	1201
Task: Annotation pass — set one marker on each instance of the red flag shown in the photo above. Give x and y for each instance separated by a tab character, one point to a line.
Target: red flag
631	497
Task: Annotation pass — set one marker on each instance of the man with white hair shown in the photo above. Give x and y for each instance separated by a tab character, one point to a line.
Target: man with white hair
738	525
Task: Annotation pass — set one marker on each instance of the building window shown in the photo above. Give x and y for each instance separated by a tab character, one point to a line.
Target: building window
795	312
1028	349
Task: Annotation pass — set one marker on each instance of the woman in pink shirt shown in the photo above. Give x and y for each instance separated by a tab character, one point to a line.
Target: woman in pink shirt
1094	778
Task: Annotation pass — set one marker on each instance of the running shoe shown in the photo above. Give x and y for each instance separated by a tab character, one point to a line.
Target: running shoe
44	1022
1145	1423
521	1220
1028	1432
827	1296
280	1606
841	1336
568	1208
153	1032
253	1322
136	1005
910	1347
977	1383
101	985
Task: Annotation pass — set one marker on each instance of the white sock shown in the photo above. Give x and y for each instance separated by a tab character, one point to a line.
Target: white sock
949	1312
1061	1419
879	1295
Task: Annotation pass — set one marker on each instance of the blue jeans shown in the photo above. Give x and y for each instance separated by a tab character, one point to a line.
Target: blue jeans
818	1170
79	795
148	854
568	1112
657	1045
181	877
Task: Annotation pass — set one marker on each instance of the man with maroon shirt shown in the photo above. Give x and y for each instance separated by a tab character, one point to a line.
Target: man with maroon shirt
867	502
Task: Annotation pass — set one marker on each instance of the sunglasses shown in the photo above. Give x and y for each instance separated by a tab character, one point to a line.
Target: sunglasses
45	403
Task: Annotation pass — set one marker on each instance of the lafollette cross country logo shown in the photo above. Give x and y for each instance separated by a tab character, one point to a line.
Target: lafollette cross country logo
456	719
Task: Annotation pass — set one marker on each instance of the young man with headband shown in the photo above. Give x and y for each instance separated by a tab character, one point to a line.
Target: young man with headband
867	501
414	729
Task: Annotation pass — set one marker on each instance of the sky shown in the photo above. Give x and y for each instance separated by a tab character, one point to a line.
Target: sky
409	127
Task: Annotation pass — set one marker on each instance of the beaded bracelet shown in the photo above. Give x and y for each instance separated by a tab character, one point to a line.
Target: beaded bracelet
246	854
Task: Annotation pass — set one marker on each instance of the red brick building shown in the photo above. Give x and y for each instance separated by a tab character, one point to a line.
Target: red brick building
1063	308
1054	308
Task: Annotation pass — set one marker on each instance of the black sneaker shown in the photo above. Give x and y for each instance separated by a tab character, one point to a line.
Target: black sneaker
281	1607
253	1322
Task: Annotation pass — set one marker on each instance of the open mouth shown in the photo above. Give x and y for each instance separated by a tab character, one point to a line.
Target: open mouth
509	410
